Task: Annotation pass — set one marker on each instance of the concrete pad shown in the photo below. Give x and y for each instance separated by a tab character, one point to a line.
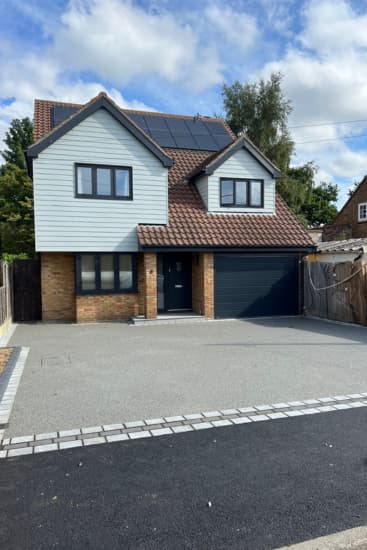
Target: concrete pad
97	374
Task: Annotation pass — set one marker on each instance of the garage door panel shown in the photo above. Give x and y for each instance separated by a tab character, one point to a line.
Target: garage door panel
249	285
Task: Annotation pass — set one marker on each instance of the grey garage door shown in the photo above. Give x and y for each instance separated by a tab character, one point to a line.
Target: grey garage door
255	285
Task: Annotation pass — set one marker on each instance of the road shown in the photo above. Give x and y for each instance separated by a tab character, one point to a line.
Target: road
256	486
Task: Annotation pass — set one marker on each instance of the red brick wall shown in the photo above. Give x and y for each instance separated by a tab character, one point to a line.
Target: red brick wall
346	225
203	284
106	307
150	285
58	287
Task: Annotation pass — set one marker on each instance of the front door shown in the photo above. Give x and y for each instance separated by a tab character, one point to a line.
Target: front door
178	281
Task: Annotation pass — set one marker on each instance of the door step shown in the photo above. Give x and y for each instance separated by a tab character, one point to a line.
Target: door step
169	319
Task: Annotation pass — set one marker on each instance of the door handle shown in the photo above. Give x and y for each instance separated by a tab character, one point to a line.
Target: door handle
178	286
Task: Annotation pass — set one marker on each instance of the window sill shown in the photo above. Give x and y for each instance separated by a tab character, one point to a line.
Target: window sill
105	292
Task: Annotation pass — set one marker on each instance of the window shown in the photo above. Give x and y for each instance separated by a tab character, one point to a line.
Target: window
103	182
241	192
105	273
362	212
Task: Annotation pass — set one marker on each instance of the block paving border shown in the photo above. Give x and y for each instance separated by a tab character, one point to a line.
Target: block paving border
156	427
7	398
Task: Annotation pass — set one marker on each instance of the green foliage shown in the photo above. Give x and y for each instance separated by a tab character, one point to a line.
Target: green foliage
10	258
261	111
18	138
313	204
16	212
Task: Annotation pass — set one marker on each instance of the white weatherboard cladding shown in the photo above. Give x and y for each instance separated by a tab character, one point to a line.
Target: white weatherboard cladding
65	223
240	165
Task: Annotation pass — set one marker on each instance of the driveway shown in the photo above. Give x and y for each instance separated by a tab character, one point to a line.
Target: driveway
85	375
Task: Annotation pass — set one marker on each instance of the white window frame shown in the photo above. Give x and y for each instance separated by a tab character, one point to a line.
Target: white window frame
360	218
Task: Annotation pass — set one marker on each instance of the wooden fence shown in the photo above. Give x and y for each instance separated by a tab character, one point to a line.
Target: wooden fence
336	291
5	296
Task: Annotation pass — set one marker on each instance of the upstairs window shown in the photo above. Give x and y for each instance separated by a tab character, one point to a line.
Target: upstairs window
106	273
362	212
94	181
242	192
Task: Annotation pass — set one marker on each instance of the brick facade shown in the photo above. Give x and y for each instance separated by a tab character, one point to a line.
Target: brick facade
106	307
203	284
150	285
58	287
346	224
60	302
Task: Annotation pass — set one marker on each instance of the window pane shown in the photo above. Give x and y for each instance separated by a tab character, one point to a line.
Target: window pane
226	191
84	180
103	181
363	211
122	183
125	271
256	198
107	272
241	193
88	274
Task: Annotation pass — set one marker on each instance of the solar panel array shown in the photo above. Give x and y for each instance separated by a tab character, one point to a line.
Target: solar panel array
60	112
183	133
168	131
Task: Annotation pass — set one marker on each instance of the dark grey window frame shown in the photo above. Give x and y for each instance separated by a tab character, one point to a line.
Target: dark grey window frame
97	270
248	193
94	194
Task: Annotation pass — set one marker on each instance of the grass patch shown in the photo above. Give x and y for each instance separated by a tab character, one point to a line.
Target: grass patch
5	354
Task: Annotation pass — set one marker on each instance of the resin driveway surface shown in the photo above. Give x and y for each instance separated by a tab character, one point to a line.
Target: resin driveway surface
86	375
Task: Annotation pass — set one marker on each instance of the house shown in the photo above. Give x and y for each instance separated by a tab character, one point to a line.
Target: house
351	222
138	213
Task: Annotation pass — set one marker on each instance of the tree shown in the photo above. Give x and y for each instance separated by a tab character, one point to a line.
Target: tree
260	110
18	138
16	212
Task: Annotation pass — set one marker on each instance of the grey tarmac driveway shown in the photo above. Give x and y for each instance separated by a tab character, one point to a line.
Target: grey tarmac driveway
87	375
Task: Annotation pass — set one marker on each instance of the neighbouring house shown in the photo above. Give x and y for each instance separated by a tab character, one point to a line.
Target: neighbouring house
138	213
351	222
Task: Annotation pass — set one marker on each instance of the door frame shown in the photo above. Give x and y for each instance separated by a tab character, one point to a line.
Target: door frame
164	257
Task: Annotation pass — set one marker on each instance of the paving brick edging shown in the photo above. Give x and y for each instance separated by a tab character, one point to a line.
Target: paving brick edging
152	427
7	398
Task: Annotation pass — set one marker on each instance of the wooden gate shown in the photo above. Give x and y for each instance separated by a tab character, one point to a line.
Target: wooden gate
27	291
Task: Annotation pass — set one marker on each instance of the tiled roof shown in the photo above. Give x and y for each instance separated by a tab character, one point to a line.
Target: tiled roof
190	224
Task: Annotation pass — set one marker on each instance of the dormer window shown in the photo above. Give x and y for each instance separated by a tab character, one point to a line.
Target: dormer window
241	193
362	212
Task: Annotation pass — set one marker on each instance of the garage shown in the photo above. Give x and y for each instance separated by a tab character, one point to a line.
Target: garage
255	285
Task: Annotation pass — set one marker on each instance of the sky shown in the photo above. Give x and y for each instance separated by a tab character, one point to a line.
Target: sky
174	56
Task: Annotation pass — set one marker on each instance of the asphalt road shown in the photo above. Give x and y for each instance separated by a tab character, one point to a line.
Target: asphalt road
87	375
269	484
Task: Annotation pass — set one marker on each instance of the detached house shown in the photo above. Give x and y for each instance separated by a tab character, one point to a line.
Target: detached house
138	213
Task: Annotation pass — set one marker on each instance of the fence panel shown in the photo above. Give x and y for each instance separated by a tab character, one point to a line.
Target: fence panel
336	291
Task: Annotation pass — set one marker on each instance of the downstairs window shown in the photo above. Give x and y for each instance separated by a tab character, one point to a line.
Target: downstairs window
105	273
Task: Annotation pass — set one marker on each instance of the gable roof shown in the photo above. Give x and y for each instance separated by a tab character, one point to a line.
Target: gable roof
363	182
101	101
190	225
212	162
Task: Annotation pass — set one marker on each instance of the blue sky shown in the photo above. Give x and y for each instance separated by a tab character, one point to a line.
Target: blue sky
174	56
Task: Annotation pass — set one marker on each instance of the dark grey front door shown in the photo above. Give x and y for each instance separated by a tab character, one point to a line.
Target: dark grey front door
178	281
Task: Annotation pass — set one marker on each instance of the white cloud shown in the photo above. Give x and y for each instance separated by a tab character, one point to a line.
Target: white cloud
324	76
238	28
120	41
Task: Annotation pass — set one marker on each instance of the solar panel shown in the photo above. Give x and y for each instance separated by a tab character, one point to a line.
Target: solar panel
207	143
61	112
197	127
168	131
